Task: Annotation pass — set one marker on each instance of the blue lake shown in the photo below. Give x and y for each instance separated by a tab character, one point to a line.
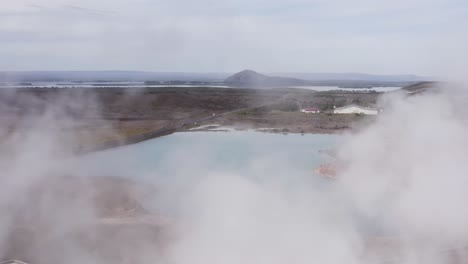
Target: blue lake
177	163
244	152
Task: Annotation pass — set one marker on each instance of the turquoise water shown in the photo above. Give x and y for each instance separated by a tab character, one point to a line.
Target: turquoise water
262	154
177	163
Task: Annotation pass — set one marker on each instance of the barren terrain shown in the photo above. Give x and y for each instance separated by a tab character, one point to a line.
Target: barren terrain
105	117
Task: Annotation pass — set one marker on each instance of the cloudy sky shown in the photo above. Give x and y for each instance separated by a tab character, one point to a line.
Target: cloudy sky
427	37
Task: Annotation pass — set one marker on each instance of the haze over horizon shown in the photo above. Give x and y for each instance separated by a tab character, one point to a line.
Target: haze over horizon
398	37
224	140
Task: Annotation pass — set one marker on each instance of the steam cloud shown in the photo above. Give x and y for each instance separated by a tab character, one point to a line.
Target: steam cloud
401	181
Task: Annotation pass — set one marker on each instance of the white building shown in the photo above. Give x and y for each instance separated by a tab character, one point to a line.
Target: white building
355	109
311	110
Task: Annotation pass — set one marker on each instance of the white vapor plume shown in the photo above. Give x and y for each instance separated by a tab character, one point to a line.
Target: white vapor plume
399	197
409	170
50	211
236	220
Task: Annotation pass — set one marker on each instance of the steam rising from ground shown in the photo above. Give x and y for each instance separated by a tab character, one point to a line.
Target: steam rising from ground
410	169
405	177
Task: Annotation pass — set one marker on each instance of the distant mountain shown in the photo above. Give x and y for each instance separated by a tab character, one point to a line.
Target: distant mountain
252	79
249	78
421	87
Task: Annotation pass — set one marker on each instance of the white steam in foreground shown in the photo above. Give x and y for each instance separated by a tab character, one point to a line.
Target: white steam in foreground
404	177
410	169
402	181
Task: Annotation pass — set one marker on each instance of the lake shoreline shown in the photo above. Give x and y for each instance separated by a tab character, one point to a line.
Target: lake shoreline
135	139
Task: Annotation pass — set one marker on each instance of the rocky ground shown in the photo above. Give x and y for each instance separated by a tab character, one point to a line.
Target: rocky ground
75	219
293	122
89	117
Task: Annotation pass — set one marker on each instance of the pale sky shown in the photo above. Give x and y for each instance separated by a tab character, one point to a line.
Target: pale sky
426	37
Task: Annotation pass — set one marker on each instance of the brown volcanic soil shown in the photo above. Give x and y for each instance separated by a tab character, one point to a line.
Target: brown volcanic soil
61	218
294	122
89	117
